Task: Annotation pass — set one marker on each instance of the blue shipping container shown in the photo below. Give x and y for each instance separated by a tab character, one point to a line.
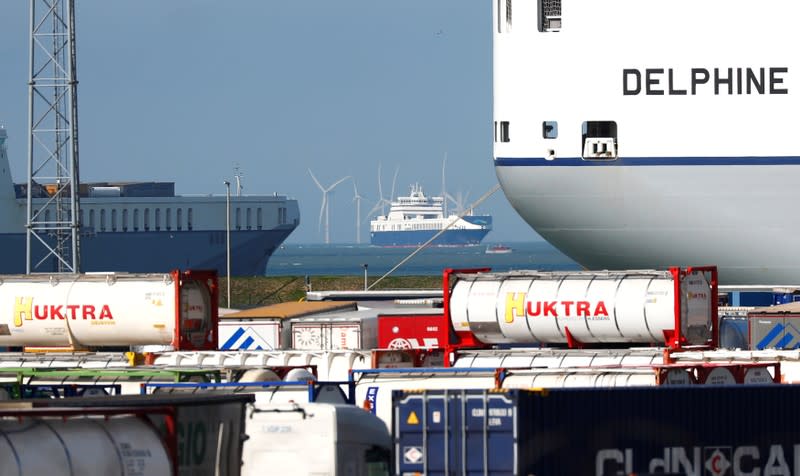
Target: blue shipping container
691	430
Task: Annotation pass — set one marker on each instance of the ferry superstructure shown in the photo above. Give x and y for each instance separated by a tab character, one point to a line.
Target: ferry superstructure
636	134
143	227
414	219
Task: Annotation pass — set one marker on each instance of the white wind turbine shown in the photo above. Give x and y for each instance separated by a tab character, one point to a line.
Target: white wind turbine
382	202
460	201
444	188
357	198
324	210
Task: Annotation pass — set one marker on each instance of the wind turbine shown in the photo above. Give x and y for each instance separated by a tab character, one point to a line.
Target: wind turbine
324	208
382	202
357	198
459	201
444	189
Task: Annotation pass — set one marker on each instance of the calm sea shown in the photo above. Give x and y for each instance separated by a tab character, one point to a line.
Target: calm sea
317	260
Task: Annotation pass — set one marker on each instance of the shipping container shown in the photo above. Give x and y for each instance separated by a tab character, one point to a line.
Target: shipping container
775	327
210	429
249	334
691	430
671	307
169	311
675	308
348	331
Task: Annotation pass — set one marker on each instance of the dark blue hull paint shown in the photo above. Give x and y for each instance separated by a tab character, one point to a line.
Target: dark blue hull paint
644	161
416	238
155	252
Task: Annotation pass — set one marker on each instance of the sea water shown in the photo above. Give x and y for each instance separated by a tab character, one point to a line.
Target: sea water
343	259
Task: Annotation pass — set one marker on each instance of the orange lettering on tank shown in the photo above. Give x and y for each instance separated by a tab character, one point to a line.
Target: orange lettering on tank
516	305
25	309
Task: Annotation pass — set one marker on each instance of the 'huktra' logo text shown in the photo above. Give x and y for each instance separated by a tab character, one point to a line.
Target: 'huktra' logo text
26	310
518	306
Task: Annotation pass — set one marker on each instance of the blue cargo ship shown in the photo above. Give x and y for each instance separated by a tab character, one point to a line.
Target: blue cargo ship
414	219
143	227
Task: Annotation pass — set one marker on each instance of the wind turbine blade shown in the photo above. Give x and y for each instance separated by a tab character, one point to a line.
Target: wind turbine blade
380	188
322	210
355	188
337	183
394	181
376	208
316	181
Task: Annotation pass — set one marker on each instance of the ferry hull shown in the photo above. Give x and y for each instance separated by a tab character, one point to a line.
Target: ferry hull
155	252
629	214
416	238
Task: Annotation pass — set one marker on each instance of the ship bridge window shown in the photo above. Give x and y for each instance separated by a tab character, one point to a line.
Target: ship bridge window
169	219
125	219
248	213
259	219
503	16
91	219
189	219
146	219
158	219
599	140
549	15
180	219
102	219
550	129
238	218
114	220
135	219
504	132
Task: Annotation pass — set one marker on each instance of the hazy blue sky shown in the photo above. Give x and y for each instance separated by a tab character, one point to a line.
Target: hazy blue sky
185	91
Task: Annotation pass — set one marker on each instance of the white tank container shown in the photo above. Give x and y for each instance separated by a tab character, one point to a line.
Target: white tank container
558	358
81	446
567	378
108	309
527	307
332	365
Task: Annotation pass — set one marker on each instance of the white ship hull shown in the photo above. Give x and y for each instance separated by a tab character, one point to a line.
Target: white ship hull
701	166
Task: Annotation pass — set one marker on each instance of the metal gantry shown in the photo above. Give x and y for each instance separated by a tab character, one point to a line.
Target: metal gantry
53	224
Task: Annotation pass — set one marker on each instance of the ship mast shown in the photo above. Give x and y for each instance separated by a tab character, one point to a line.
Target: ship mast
52	238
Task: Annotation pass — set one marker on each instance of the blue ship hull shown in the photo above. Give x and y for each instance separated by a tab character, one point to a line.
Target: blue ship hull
158	251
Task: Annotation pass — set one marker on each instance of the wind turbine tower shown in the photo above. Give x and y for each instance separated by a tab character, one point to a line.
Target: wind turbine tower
357	198
324	210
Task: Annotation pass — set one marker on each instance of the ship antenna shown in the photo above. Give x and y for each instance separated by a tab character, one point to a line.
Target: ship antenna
237	174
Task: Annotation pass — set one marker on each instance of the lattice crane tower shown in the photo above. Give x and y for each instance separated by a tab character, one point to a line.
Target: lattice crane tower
53	241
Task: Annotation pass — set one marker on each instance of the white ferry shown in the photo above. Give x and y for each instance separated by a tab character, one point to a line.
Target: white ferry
415	219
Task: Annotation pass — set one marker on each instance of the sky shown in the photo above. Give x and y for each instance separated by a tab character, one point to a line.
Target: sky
191	91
